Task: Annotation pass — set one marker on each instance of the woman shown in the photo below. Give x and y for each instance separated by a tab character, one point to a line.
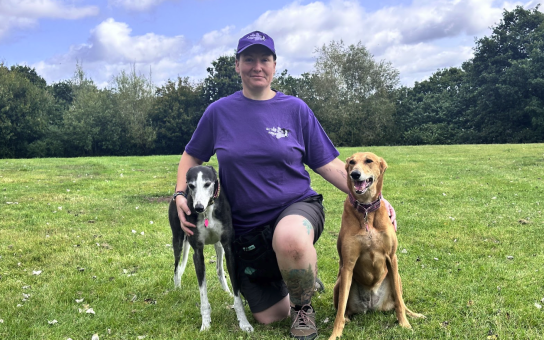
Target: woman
263	139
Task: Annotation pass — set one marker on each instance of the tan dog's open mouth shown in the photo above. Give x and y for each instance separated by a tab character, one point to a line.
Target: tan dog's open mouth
362	186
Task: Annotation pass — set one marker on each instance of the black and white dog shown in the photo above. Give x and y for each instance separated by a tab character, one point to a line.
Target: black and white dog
210	212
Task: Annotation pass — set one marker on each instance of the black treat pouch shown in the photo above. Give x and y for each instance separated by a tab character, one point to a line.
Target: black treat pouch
255	256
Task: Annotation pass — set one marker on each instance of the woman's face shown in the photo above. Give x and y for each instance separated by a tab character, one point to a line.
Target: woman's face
256	66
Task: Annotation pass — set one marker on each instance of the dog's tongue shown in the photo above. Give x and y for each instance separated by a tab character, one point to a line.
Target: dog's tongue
361	185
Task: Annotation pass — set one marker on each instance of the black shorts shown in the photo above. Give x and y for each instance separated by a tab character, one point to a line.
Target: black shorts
262	286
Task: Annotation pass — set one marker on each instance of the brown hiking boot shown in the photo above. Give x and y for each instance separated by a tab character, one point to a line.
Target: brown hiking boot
303	326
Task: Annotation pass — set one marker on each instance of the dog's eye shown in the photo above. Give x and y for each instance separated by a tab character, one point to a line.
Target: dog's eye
368	161
352	162
191	186
207	184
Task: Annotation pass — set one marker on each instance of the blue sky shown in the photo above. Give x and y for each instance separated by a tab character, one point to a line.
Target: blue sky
172	38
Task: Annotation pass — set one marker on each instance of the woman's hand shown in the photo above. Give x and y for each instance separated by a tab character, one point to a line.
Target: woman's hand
183	209
391	212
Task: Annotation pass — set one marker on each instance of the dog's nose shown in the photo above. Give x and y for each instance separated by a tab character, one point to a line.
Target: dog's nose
355	174
199	208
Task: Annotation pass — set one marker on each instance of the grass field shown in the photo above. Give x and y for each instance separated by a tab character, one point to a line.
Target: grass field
85	249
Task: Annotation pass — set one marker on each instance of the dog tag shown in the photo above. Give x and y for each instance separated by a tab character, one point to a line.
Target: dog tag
206	222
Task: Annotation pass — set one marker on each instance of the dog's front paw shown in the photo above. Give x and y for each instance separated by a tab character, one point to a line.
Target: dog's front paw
405	324
205	326
246	326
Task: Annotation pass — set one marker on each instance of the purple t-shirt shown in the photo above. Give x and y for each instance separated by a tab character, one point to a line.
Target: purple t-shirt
261	148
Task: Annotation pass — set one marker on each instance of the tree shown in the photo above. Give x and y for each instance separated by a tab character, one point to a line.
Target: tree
25	106
507	80
354	95
433	111
222	79
92	126
133	97
30	74
175	114
301	87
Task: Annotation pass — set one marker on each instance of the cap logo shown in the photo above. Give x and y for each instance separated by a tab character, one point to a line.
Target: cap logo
256	36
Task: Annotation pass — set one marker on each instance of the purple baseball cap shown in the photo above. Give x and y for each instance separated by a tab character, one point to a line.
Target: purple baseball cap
254	38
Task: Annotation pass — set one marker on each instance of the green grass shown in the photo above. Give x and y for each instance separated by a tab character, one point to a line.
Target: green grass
462	210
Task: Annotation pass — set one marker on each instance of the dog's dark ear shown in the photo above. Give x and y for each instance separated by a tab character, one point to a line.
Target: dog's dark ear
213	169
383	165
347	162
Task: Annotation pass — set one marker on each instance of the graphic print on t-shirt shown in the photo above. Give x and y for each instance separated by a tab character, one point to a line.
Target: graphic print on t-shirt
278	132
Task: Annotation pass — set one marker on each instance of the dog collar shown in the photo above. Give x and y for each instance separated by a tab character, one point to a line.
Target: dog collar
364	208
217	190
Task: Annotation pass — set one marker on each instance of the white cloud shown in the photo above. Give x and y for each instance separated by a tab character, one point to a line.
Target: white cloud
111	48
111	41
136	5
25	14
417	38
413	37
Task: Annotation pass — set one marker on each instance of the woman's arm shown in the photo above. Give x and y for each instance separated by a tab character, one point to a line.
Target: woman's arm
335	173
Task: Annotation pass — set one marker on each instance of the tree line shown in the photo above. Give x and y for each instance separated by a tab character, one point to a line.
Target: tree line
495	97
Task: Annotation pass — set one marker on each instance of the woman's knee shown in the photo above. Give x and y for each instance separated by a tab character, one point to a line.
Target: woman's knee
293	234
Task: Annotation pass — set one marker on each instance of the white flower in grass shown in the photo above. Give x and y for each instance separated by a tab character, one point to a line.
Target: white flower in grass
95	337
60	208
137	208
133	231
79	300
444	194
141	337
67	190
537	305
1	320
36	272
52	322
142	233
90	311
150	222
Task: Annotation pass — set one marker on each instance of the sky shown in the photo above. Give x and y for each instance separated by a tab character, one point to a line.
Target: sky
167	39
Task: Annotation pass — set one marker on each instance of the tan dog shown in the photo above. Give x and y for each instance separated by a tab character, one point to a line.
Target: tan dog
368	278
